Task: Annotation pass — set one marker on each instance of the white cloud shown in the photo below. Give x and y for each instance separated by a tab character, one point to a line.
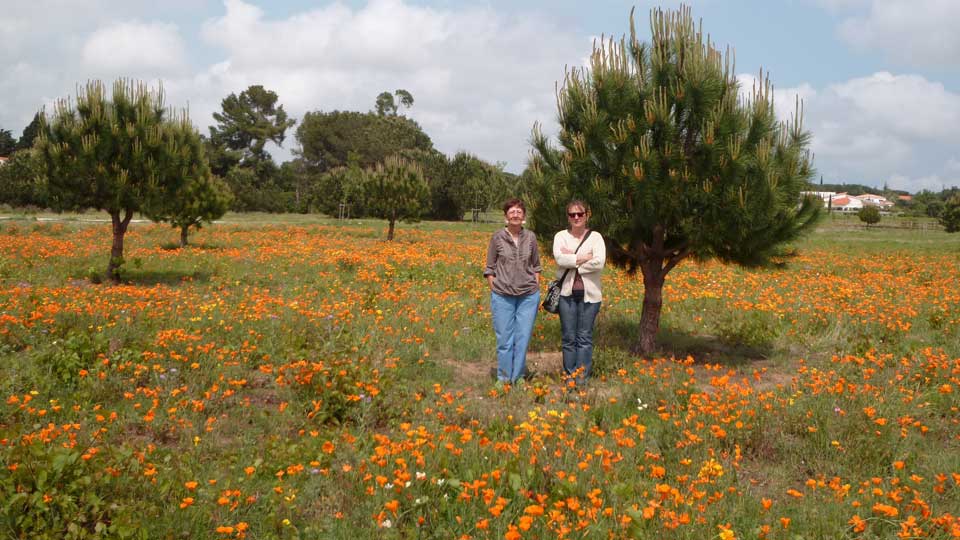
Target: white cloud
866	129
479	80
841	5
930	183
135	47
914	32
906	104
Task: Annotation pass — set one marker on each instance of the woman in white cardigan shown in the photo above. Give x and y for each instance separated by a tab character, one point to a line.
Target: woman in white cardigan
580	295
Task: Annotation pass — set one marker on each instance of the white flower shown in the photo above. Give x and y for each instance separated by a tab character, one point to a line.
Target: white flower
386	524
421	475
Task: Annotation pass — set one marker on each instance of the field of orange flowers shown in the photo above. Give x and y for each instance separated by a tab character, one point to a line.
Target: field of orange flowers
313	381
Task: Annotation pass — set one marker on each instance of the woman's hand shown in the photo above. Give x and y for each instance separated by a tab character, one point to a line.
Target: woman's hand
584	257
490	280
566	251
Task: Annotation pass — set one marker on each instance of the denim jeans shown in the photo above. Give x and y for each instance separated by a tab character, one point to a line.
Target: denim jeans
576	324
513	318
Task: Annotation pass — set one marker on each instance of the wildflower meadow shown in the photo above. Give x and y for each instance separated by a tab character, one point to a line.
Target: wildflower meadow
297	377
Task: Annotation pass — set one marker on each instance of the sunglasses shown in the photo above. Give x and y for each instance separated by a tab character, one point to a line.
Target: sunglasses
576	214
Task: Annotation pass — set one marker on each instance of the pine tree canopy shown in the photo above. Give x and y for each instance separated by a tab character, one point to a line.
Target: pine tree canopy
673	158
249	121
118	153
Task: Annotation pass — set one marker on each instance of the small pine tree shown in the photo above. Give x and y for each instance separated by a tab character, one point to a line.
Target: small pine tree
119	154
950	216
395	190
203	197
869	214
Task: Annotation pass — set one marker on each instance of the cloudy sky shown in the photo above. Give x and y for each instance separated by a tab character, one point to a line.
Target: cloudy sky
880	79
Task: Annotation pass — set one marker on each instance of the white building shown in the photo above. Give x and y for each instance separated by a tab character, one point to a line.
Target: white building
845	203
875	200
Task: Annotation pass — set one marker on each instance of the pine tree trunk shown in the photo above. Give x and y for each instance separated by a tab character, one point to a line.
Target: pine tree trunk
116	250
390	230
657	261
652	305
183	235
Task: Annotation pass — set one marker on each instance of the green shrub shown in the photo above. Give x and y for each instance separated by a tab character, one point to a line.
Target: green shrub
50	492
64	359
869	215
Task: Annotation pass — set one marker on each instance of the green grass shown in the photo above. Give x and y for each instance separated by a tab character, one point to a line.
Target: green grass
301	371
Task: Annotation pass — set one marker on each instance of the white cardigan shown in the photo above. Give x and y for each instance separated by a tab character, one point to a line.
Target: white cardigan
589	271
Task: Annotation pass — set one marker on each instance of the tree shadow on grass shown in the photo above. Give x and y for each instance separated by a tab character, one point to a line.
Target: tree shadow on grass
149	278
203	246
622	335
175	246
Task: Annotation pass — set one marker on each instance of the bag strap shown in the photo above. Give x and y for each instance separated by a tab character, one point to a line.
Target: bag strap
589	232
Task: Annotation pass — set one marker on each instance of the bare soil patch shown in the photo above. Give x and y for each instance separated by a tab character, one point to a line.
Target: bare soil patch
476	379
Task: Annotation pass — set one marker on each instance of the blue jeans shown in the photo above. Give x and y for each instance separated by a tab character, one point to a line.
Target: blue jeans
513	318
576	324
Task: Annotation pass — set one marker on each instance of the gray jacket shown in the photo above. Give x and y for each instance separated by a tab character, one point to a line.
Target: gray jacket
514	266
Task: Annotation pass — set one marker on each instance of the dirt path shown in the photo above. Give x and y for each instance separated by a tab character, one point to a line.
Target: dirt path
476	381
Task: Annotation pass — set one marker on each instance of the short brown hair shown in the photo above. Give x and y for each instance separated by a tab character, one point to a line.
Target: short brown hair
581	204
510	203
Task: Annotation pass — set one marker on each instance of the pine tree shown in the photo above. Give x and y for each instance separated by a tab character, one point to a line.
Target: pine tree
950	216
29	133
203	197
249	121
395	190
674	162
122	154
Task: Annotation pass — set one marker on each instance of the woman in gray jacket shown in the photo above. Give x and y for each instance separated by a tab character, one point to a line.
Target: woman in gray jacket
513	273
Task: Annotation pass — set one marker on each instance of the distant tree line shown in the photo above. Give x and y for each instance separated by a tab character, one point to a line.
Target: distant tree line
334	151
928	203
